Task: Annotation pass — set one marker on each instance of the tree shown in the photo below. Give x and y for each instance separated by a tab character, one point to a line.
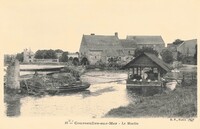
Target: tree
45	54
84	61
180	56
76	61
70	59
39	54
139	51
51	54
178	41
64	57
59	51
20	57
167	56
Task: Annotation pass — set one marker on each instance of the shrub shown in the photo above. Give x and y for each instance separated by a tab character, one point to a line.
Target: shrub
167	56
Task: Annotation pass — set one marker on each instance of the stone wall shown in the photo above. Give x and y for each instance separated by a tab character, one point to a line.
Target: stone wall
12	75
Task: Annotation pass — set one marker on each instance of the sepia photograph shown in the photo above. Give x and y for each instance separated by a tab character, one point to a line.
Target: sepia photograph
122	63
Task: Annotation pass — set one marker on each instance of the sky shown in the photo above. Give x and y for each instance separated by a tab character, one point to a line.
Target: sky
60	24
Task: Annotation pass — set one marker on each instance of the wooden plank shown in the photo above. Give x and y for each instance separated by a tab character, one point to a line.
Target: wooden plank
43	69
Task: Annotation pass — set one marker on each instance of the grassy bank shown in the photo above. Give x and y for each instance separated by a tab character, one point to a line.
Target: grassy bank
181	102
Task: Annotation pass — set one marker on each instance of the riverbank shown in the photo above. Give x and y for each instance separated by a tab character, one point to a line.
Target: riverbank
181	102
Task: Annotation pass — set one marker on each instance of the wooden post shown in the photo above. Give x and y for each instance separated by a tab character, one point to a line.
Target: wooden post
128	73
12	75
137	70
158	74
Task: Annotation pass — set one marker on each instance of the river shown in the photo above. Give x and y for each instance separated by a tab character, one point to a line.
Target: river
107	91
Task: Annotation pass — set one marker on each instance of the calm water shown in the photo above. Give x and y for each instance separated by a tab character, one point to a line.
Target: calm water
107	91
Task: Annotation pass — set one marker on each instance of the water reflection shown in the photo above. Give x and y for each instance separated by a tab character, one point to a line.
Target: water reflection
107	91
94	103
143	91
13	105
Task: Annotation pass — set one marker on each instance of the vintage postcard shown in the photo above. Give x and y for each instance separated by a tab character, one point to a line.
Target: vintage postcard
99	64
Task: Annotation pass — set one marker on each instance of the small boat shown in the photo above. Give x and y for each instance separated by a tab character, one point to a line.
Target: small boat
50	85
79	86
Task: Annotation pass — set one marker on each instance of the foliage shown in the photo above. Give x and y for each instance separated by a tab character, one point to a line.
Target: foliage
64	57
70	59
180	56
167	56
59	51
178	41
100	63
84	61
20	57
8	59
45	54
76	61
112	62
139	51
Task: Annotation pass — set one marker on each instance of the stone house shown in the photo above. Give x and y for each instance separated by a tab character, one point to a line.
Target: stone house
96	48
129	47
155	42
186	48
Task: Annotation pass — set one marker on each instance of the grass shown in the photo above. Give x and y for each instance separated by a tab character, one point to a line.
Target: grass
181	102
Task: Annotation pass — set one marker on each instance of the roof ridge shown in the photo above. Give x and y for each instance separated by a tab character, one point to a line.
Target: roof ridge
145	35
101	35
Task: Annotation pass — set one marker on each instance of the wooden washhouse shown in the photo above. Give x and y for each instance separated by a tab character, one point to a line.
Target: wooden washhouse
146	70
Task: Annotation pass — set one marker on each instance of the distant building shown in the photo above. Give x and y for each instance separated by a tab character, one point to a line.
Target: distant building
186	48
129	47
155	42
96	48
28	56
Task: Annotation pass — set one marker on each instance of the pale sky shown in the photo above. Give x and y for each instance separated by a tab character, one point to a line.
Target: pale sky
60	24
